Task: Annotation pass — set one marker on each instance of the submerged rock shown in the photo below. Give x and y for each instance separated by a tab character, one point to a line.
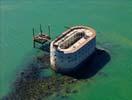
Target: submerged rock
31	86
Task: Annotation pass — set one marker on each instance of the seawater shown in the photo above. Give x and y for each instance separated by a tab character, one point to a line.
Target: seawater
110	18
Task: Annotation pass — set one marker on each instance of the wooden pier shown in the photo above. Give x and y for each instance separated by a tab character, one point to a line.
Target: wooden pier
41	38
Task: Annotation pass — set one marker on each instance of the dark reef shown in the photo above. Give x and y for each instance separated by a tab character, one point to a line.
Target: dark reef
30	85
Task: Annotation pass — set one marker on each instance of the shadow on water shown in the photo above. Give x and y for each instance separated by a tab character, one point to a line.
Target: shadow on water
91	65
45	47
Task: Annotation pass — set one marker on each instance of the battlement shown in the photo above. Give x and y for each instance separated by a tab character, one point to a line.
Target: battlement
73	39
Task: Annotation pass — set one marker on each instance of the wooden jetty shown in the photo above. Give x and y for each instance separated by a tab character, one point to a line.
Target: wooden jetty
41	38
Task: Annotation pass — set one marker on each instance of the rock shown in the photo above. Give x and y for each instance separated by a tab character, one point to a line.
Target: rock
74	91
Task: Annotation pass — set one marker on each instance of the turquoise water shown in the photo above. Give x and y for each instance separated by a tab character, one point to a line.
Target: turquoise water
112	19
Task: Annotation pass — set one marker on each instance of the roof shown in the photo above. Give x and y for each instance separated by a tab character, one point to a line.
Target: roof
74	38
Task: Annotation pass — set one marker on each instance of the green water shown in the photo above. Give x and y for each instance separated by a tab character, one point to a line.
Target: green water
112	19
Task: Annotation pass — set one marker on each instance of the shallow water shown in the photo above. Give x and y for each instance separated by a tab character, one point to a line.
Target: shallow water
112	21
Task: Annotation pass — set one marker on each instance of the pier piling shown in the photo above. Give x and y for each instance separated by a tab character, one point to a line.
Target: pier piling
40	38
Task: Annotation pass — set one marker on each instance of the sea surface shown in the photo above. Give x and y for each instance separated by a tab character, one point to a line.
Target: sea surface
112	20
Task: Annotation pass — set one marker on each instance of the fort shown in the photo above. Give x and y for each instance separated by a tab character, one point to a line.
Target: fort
72	47
69	49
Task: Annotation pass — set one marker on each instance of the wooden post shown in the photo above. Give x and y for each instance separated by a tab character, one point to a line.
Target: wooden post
49	30
33	38
41	31
34	43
